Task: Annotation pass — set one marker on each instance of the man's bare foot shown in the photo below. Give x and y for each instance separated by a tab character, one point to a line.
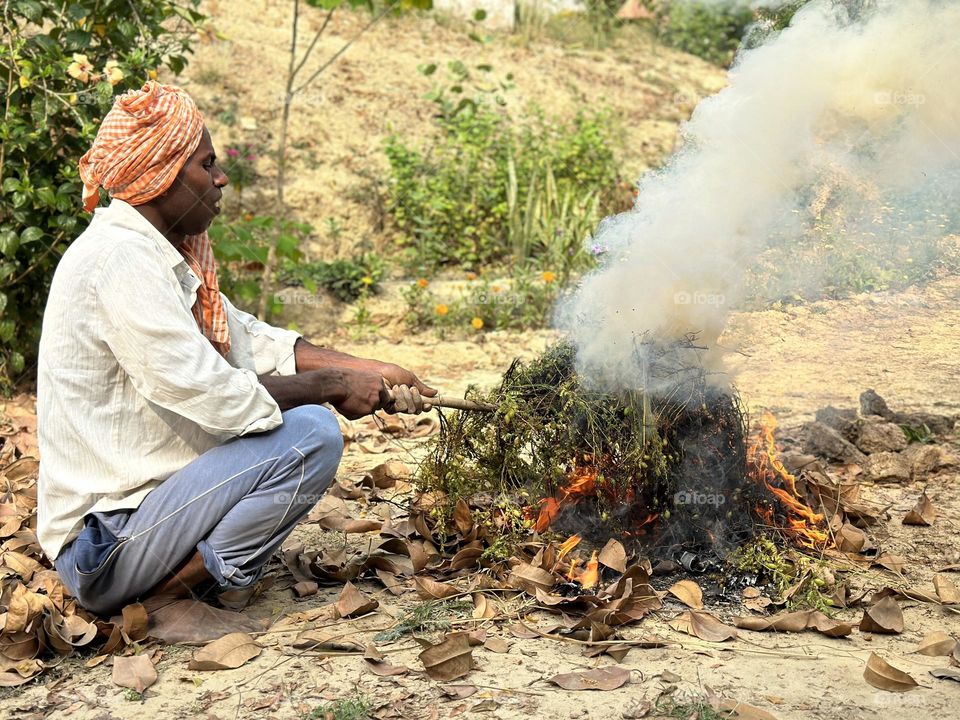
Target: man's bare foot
190	573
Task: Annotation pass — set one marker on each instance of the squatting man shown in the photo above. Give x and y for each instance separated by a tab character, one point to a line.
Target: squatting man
181	439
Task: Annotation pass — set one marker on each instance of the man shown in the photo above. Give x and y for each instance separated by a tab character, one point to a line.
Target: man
181	439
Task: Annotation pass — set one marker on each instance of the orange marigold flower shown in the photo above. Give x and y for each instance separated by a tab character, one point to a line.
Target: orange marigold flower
422	283
442	310
471	276
477	323
549	277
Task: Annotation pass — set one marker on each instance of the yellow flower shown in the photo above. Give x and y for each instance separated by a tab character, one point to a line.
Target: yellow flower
422	283
471	276
442	310
112	72
152	74
549	277
366	280
24	81
100	30
80	68
496	288
477	323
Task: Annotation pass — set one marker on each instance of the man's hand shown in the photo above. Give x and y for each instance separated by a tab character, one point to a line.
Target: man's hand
405	399
363	393
396	375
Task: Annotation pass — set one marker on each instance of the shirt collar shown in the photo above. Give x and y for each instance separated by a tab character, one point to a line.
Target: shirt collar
123	214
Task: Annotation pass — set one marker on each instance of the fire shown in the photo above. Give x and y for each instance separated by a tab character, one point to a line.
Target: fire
589	577
802	521
583	481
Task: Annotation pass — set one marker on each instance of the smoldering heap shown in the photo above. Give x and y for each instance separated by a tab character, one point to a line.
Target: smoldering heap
668	473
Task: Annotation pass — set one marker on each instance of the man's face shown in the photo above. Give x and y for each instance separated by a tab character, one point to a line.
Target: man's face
194	197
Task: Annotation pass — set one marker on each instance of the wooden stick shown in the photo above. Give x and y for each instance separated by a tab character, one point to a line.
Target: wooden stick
456	403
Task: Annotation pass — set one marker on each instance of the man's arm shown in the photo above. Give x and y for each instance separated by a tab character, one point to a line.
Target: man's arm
354	393
310	357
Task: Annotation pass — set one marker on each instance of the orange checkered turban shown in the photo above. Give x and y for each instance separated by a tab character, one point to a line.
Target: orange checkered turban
143	143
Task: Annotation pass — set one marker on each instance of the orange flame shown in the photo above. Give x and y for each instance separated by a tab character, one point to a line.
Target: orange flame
802	521
589	578
583	481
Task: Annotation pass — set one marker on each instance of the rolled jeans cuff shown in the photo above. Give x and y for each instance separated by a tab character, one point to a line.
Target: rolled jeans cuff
227	577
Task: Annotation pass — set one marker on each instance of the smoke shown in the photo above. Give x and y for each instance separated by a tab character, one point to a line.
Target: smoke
846	123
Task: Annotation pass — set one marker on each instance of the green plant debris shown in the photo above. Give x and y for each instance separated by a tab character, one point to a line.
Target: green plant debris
427	617
344	709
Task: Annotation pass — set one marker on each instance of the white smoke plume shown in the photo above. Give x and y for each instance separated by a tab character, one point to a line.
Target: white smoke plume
855	111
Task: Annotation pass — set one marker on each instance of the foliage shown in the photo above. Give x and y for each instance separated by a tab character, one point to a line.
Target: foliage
241	248
60	66
344	709
518	303
793	577
711	31
427	617
240	165
918	434
463	200
347	279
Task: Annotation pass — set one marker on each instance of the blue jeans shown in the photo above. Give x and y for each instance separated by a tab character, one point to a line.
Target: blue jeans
235	504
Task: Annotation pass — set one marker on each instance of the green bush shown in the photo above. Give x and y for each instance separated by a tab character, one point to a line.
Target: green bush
459	200
710	31
345	279
60	66
241	248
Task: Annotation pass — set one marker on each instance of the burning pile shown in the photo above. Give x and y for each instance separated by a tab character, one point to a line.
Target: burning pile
671	473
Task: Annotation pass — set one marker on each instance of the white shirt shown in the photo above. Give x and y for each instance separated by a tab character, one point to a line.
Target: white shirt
128	389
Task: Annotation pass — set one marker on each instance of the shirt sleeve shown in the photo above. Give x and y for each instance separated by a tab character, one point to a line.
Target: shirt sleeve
155	339
271	347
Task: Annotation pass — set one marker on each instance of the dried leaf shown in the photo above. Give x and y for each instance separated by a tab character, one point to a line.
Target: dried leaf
352	602
735	708
385	669
796	622
497	645
946	590
884	676
883	617
305	588
923	513
462	517
893	563
704	626
134	671
522	632
22	672
448	660
606	678
529	578
946	674
386	475
613	556
936	644
321	640
229	652
429	589
466	558
458	692
482	607
689	593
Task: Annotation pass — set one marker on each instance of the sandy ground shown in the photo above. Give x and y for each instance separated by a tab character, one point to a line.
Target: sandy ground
904	345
